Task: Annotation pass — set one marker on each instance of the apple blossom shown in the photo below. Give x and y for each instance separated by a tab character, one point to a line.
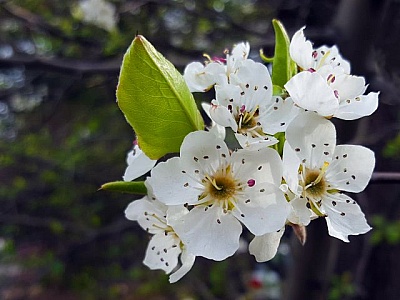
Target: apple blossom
324	83
201	78
222	190
165	246
317	171
247	106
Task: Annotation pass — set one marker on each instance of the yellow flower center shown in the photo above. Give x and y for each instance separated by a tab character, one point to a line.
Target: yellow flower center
221	188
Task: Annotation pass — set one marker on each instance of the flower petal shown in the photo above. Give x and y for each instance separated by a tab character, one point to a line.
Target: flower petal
200	78
208	232
148	213
263	165
301	214
222	116
264	247
187	261
171	186
311	92
360	106
216	129
331	56
263	209
138	164
202	153
254	143
279	115
301	50
255	83
351	168
313	138
162	252
344	217
349	86
291	164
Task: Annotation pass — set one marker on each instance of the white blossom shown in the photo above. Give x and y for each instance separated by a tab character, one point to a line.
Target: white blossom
317	171
165	246
222	190
324	83
201	78
247	106
138	164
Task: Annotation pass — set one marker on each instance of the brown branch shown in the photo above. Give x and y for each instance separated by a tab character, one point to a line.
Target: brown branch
385	177
64	66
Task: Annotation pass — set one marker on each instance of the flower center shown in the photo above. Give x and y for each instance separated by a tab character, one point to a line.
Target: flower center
247	122
314	187
221	188
315	184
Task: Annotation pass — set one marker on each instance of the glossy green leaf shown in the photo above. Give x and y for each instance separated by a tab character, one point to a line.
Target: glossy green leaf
131	187
283	67
155	100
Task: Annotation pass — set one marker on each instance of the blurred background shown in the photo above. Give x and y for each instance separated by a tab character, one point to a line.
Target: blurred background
62	136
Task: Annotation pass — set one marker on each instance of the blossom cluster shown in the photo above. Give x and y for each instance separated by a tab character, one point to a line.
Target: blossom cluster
288	170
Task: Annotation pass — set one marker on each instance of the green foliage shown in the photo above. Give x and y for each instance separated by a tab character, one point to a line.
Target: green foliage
341	287
385	231
283	67
155	100
135	187
392	148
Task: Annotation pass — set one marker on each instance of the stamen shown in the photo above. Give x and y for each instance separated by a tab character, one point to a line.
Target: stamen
324	57
213	182
321	174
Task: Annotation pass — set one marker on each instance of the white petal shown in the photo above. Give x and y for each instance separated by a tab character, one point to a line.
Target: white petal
228	94
162	252
279	115
171	186
255	143
241	50
313	138
291	164
349	86
202	153
360	106
200	78
148	213
222	116
263	165
351	168
264	247
301	214
344	217
216	129
266	211
311	92
187	261
239	54
210	233
332	57
138	164
301	50
255	82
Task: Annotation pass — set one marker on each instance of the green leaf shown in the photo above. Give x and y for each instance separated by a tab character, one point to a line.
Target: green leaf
131	187
283	67
155	100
